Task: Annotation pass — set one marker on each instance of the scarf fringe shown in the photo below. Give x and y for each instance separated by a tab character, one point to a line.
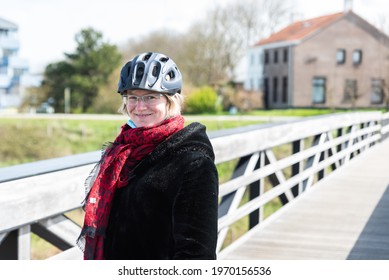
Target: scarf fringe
88	232
89	181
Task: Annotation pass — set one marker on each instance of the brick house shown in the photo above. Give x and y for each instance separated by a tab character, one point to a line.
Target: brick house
333	61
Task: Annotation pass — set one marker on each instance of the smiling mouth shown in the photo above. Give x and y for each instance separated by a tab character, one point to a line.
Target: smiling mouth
142	115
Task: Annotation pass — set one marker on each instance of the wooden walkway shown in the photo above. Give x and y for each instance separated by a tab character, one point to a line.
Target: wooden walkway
345	216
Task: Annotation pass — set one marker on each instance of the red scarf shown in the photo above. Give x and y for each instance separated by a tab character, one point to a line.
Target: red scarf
131	145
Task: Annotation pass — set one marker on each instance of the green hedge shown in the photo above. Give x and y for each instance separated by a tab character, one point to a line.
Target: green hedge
203	100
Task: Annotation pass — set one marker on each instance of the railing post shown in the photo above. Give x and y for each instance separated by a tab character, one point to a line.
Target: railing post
297	146
227	200
255	190
24	243
231	200
321	173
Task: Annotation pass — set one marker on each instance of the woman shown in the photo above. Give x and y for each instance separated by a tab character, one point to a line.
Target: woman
154	194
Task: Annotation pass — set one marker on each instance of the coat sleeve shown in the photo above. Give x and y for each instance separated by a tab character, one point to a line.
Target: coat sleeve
195	212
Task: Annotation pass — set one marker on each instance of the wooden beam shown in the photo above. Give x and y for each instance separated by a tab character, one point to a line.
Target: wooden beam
59	231
24	243
28	200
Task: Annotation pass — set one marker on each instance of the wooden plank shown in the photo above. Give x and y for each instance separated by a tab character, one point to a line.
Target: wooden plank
47	166
333	220
59	231
237	145
280	189
29	200
24	243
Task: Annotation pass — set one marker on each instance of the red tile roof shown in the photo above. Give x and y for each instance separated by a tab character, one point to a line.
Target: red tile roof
300	29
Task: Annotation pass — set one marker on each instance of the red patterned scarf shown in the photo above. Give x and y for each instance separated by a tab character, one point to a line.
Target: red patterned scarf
131	145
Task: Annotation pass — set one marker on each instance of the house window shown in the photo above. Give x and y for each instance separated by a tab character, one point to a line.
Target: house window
319	90
285	89
266	57
350	90
357	57
285	55
341	56
252	59
265	91
377	91
275	89
275	56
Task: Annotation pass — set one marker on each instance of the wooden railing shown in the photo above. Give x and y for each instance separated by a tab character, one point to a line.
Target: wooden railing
272	165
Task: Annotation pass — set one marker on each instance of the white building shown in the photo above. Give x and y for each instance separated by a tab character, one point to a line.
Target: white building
14	71
254	66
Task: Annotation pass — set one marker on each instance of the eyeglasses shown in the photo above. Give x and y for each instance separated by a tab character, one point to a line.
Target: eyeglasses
148	99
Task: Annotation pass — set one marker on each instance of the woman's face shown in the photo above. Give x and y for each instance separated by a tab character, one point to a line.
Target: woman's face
150	110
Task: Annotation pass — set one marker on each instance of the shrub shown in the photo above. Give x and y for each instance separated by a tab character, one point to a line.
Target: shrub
203	100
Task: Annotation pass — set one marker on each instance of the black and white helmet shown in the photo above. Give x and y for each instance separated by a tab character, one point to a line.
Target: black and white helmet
151	71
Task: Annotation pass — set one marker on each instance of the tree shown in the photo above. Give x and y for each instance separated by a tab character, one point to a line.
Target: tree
216	45
203	64
209	52
56	79
108	99
163	41
84	71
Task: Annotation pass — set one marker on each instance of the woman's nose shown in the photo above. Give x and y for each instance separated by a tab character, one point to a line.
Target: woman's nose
140	104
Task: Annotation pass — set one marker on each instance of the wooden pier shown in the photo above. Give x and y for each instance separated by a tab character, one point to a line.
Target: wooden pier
345	216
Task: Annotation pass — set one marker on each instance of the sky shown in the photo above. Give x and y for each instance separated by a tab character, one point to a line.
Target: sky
47	27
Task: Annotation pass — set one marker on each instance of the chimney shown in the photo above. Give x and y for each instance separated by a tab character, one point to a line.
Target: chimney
348	6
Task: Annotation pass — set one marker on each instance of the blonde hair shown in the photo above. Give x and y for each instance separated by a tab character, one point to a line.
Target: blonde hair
174	102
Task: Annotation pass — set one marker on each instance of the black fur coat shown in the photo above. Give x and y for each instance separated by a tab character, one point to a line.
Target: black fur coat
169	208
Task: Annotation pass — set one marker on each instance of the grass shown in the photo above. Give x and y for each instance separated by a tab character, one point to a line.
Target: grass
37	139
28	140
292	112
302	112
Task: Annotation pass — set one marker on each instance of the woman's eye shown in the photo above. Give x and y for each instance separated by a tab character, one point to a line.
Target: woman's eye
149	97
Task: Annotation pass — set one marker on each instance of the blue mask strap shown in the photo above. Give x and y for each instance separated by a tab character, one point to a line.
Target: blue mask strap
131	124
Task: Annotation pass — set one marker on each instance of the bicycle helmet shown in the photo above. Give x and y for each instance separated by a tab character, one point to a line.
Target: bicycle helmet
151	71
